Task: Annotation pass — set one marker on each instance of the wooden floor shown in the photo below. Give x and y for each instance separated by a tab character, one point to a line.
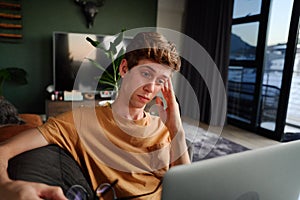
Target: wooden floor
246	138
239	136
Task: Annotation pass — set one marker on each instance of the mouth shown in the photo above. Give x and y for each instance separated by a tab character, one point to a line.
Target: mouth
143	98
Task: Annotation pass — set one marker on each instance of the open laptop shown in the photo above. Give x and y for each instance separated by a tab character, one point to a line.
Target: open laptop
270	173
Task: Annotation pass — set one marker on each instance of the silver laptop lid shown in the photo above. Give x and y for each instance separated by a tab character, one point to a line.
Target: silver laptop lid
271	173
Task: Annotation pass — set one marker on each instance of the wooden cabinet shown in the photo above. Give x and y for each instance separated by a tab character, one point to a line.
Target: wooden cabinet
54	108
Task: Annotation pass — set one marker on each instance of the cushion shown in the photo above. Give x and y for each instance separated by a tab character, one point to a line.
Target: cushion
51	165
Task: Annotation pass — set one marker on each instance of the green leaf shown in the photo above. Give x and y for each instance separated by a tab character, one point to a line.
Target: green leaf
93	42
120	56
13	75
17	75
112	48
96	64
4	74
106	77
107	83
118	39
96	44
121	53
100	67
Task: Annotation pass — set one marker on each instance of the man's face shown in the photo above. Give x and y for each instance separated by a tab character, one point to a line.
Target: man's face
144	81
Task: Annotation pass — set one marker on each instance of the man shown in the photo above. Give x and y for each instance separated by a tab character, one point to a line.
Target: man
117	143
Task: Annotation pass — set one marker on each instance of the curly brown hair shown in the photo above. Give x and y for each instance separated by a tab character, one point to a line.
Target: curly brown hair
153	46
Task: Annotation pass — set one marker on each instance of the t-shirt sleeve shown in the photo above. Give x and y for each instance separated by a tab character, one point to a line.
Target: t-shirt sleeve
61	131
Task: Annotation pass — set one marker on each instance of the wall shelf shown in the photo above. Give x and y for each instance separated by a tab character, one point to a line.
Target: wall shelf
10	21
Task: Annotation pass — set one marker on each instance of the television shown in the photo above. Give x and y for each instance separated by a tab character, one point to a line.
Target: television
71	68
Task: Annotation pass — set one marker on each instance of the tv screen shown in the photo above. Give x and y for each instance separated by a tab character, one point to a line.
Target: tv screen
71	68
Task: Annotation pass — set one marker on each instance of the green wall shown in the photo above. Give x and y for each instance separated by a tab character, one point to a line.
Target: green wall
34	52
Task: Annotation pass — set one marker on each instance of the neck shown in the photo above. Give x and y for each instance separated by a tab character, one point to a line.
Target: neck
127	111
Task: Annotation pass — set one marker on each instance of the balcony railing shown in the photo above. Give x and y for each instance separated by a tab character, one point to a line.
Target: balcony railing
241	96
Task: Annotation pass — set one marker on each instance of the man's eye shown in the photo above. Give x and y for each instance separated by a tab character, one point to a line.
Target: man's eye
146	74
161	81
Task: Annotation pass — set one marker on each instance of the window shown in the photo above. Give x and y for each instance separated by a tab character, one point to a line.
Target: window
248	28
244	41
244	8
241	88
279	22
264	70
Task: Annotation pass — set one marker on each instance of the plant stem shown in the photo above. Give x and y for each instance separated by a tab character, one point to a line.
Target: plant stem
114	66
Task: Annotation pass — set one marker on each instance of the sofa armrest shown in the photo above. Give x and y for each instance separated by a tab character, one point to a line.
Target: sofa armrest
10	130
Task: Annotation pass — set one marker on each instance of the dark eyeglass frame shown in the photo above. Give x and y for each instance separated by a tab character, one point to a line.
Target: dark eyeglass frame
77	192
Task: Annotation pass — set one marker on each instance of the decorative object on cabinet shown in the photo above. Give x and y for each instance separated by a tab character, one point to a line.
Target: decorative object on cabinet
54	108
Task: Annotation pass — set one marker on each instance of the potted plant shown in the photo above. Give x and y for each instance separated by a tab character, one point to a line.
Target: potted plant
13	75
115	56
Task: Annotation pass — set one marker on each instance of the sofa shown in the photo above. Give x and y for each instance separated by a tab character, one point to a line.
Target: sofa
30	121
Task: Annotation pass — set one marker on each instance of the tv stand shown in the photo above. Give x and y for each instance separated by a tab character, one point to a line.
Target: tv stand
54	108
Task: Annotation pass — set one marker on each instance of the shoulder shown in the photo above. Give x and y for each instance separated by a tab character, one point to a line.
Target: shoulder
155	119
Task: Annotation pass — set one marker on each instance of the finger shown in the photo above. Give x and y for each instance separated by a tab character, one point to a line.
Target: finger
170	85
52	192
169	91
165	90
161	110
159	101
167	84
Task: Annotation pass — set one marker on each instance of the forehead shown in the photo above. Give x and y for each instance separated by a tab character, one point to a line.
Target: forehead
155	67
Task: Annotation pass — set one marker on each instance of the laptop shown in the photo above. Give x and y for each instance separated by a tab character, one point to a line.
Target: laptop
270	173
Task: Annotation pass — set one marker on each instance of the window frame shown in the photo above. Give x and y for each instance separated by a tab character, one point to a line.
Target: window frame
258	63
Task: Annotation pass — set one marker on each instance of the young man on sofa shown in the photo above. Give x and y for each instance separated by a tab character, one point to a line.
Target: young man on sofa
117	143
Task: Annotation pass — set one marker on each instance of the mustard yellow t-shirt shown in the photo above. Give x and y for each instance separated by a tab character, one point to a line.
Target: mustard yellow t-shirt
110	147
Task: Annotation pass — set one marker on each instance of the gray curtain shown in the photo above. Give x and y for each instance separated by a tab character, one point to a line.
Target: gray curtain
208	22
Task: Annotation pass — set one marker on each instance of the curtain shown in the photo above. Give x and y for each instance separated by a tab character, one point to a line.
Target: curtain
208	22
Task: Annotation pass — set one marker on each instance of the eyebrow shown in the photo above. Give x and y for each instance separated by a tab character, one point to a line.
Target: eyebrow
153	70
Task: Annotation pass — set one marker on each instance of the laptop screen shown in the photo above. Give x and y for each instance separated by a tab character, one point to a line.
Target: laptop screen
268	173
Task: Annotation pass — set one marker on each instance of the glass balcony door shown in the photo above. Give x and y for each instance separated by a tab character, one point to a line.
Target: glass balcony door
264	70
292	122
248	33
293	111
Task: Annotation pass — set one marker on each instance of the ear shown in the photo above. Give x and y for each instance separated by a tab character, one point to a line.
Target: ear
123	69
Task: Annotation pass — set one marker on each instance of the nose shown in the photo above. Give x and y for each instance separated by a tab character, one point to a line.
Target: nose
149	87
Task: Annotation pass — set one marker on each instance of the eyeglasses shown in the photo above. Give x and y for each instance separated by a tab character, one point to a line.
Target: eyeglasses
103	188
77	192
